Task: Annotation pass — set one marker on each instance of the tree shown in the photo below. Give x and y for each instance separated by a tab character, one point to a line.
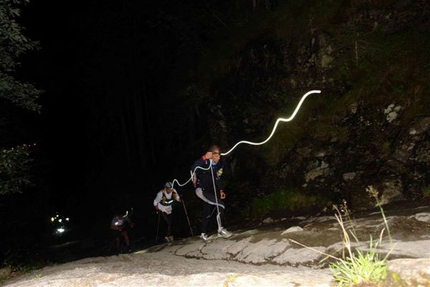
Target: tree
14	155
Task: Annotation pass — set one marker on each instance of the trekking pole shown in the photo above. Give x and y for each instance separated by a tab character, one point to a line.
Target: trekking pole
218	215
158	224
188	219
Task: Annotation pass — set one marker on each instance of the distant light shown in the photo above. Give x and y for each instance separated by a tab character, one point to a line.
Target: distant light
60	230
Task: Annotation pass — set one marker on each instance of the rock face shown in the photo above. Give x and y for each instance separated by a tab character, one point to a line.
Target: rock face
280	253
393	159
369	125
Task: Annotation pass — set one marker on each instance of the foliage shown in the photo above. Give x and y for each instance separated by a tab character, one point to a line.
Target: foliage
25	261
426	191
253	77
359	267
284	200
14	44
14	162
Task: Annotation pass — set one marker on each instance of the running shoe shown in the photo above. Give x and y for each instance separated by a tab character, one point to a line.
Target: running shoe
204	237
224	233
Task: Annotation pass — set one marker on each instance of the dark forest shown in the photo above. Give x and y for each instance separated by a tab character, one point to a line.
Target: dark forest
132	92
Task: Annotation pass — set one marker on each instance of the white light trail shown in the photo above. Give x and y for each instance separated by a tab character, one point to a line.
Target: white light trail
258	143
276	124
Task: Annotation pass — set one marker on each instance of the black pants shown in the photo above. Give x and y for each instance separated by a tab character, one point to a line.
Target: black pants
168	220
211	206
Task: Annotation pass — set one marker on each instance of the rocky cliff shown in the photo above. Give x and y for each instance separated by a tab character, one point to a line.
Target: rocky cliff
369	126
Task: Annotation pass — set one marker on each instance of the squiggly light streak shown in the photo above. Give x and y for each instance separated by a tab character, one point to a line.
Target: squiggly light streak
276	124
192	174
255	143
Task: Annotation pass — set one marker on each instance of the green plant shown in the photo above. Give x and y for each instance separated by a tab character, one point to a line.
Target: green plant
283	199
358	267
21	261
426	191
363	267
231	278
355	266
15	164
15	44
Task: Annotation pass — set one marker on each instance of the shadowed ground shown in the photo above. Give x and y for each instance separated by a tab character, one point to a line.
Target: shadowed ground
282	252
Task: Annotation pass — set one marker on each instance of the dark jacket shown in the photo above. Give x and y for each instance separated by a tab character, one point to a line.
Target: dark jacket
204	174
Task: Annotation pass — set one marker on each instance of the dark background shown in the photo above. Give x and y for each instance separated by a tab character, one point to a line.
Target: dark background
113	128
135	91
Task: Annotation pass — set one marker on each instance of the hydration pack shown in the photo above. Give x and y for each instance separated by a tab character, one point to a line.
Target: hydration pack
166	202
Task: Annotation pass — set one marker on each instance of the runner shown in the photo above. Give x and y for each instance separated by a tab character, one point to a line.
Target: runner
207	172
163	204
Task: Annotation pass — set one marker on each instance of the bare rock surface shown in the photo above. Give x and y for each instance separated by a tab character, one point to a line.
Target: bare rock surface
275	254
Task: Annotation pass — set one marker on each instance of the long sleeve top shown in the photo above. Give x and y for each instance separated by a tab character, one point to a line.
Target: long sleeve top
206	172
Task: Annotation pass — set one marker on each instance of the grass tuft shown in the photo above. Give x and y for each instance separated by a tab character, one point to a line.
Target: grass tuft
356	267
